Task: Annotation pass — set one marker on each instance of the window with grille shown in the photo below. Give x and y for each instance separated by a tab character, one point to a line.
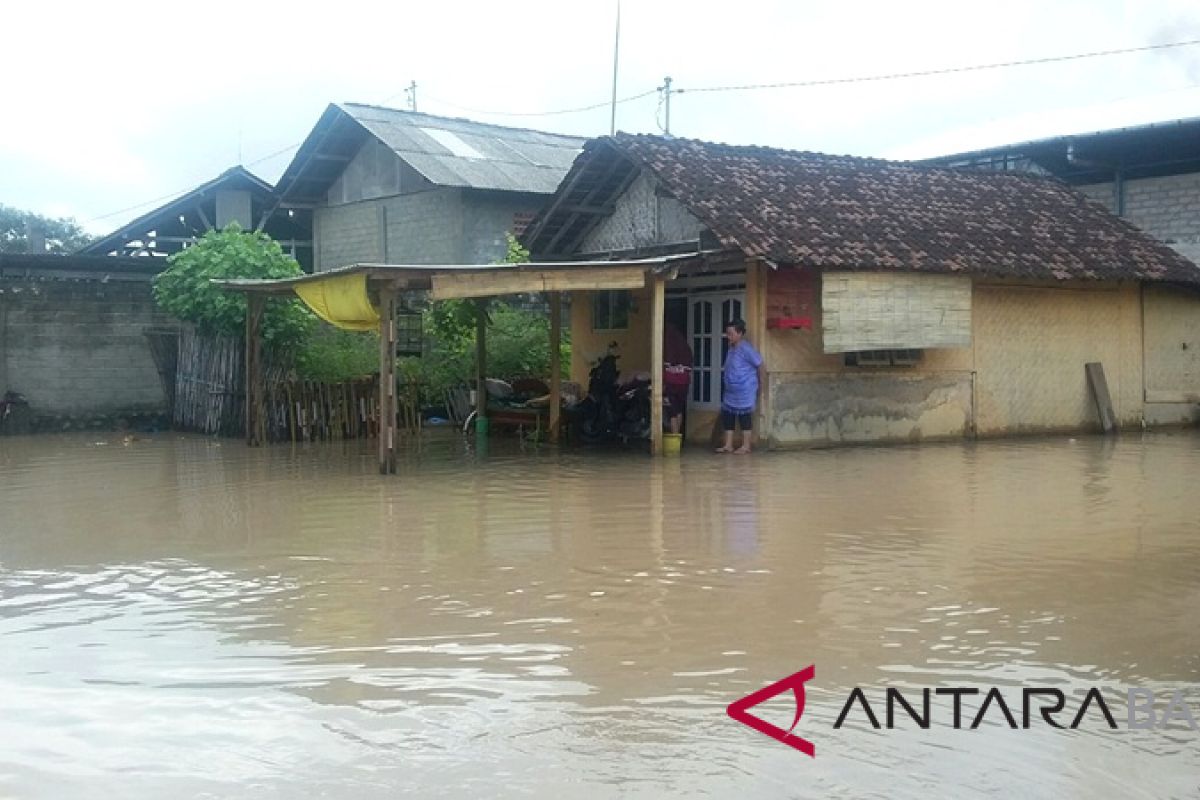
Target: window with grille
882	358
610	310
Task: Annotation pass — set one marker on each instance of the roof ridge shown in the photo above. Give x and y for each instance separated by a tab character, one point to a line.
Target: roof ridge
406	112
920	166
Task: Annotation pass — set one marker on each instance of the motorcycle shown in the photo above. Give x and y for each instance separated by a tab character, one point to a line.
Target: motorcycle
612	411
598	411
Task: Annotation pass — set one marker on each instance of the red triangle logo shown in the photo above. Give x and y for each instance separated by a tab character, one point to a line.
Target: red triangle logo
795	682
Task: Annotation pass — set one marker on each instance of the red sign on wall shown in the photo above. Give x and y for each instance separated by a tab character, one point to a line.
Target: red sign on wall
791	298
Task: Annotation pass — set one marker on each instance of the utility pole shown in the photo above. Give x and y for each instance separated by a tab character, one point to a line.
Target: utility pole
666	90
411	91
612	123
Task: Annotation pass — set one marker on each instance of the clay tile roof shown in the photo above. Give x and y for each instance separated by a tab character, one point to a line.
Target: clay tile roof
841	212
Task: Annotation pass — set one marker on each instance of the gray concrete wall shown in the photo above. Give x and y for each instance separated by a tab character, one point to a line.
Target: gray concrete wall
373	172
235	206
77	348
842	408
425	228
1168	208
487	216
437	226
346	234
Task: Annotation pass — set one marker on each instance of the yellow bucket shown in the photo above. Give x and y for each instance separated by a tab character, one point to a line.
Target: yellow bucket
672	442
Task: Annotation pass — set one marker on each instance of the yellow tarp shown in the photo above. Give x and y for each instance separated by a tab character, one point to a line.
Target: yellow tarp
341	301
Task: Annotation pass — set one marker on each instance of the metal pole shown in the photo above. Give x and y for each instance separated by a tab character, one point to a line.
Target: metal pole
612	125
667	92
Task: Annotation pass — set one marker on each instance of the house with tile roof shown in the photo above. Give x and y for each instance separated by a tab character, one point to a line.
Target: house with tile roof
891	301
1147	174
390	186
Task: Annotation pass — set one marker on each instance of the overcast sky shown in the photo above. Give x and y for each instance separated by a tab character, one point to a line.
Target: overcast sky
111	105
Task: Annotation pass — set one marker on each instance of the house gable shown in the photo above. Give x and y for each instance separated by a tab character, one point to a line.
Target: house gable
374	171
643	216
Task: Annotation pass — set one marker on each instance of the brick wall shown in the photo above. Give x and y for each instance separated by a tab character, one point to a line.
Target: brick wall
1168	208
76	347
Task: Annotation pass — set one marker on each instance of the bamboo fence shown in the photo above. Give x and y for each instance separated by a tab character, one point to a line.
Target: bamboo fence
210	397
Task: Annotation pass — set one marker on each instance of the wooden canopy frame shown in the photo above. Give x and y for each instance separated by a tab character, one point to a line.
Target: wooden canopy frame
457	281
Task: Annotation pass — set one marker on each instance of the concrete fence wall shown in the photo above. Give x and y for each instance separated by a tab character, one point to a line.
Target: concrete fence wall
77	348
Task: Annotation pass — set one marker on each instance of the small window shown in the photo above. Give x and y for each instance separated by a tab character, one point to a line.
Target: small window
883	358
610	310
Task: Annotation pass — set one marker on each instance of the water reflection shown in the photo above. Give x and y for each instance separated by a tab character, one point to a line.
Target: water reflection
188	616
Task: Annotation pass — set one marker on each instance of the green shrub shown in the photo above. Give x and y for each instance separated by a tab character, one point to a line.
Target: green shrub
332	355
518	345
185	288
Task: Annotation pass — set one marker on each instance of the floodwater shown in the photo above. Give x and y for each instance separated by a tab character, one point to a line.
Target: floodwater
185	617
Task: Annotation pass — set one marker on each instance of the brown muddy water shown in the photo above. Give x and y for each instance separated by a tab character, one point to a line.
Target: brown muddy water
185	617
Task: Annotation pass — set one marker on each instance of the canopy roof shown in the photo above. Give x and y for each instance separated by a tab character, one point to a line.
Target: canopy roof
342	296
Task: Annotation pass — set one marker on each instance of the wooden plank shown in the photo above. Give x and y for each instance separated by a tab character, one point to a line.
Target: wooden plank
482	284
555	300
1099	387
658	316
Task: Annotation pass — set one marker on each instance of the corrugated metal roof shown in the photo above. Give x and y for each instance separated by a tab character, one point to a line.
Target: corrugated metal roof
459	152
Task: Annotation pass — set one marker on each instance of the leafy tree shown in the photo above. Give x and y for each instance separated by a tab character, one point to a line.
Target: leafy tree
63	235
185	288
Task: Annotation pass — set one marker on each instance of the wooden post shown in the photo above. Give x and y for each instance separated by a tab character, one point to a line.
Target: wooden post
555	299
658	313
480	362
387	379
1099	385
253	411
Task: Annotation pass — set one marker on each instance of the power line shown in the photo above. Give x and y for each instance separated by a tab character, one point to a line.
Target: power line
943	71
190	187
713	89
577	110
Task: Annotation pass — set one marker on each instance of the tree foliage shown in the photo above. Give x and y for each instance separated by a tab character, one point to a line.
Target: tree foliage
63	235
185	288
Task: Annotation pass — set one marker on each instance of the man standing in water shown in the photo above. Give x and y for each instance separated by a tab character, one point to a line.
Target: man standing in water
742	367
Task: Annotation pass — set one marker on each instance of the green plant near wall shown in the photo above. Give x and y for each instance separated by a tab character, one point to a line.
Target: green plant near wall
518	340
332	355
185	288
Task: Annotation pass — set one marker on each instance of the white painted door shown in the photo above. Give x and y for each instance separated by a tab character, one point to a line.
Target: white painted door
707	316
